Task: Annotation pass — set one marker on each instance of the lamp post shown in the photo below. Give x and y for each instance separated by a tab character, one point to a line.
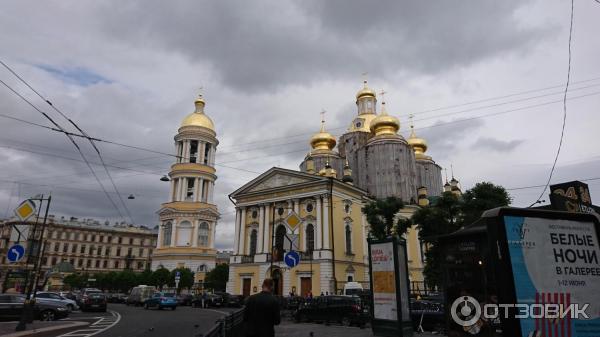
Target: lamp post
31	282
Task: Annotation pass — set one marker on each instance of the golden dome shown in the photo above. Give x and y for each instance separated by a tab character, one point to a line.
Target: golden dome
365	91
419	145
198	117
385	124
322	140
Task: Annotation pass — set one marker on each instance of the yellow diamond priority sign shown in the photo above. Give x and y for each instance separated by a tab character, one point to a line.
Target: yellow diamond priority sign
293	220
25	210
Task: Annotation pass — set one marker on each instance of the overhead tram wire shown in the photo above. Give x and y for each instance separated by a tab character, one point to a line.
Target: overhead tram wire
61	129
564	122
80	130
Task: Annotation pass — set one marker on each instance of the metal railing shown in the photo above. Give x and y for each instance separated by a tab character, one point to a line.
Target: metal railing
231	325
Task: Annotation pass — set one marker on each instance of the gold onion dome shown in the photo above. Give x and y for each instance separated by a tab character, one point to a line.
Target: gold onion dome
385	124
322	140
419	145
365	91
198	117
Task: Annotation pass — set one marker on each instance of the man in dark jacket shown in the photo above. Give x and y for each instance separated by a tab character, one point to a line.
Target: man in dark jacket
262	312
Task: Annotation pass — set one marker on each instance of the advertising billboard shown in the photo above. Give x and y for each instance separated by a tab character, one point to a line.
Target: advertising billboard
384	281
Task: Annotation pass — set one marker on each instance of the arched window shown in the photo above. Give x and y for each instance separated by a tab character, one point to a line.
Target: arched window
348	239
203	231
279	237
167	232
253	240
310	238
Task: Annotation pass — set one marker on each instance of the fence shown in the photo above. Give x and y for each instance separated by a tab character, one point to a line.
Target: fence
229	326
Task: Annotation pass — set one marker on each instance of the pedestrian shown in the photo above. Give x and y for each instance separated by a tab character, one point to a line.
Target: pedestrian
204	300
321	293
327	293
262	312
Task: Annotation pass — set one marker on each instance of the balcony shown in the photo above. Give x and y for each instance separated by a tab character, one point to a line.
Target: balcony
247	258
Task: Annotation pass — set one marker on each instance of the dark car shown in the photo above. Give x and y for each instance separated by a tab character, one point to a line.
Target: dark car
93	300
116	298
347	310
215	301
185	299
229	300
11	308
161	300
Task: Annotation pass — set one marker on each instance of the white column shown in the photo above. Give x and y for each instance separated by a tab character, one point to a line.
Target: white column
261	228
196	190
173	233
213	234
319	225
296	203
237	232
326	222
242	230
211	187
173	189
183	188
195	233
160	236
177	190
266	227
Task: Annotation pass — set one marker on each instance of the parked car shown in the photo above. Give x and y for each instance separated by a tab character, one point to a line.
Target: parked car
82	295
215	301
116	298
229	300
94	300
68	295
11	308
54	297
185	299
161	300
347	310
140	294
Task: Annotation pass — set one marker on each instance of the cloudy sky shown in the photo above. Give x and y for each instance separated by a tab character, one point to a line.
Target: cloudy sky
482	78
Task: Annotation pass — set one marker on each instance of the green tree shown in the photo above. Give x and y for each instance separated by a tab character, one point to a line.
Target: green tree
186	278
74	281
381	215
481	197
161	277
125	280
218	277
145	277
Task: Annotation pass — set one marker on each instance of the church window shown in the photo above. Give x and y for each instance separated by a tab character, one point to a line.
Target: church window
193	151
203	231
254	214
190	189
358	124
309	207
253	240
348	239
206	153
167	232
310	238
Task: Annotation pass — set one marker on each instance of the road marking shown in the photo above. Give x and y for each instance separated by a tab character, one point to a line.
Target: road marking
101	325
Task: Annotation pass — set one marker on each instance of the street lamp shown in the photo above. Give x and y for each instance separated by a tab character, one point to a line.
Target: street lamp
165	178
131	197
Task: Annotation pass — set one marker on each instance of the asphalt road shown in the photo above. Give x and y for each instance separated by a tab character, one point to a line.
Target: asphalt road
138	322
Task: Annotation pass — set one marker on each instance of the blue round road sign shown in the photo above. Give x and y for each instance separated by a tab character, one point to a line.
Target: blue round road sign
292	258
15	253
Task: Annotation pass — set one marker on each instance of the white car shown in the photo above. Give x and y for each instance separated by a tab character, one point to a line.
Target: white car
53	297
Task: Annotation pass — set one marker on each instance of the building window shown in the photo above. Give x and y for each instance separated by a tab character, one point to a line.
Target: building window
348	239
82	250
74	248
350	278
53	261
110	239
101	238
56	247
119	240
93	238
104	264
189	195
97	263
141	252
167	232
310	238
253	240
99	252
107	251
72	236
88	263
347	208
309	207
44	261
193	151
65	247
206	153
140	265
116	264
92	250
203	231
279	237
129	251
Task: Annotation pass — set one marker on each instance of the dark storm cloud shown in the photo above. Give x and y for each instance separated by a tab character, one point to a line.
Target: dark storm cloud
488	143
268	44
444	138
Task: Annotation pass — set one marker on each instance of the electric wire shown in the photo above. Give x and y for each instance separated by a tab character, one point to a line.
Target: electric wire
564	121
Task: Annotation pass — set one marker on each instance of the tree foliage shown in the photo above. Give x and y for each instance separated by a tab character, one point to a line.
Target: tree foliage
218	277
381	215
186	278
448	214
161	277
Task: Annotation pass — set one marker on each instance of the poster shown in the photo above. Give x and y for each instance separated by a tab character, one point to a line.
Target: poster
384	284
555	261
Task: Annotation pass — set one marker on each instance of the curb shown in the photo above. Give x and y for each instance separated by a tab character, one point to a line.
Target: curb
46	329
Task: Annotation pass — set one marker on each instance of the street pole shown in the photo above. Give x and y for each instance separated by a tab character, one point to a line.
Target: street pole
27	315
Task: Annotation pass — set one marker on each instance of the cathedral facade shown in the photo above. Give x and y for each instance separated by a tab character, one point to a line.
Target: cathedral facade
186	236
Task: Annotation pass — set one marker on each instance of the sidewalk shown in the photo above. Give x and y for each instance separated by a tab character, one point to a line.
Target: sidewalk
7	329
288	329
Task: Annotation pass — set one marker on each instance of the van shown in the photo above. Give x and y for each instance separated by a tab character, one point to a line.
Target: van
140	294
352	288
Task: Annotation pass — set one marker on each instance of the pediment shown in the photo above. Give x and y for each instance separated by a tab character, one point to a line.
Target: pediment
277	178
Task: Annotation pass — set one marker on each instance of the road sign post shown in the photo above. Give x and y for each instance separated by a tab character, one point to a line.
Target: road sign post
177	278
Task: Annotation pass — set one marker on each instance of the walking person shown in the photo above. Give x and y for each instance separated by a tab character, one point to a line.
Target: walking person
262	312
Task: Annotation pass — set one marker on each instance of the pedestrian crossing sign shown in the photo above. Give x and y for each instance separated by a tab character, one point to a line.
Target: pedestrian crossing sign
25	210
293	220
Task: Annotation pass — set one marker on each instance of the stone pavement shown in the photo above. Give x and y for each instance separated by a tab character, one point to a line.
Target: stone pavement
289	329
